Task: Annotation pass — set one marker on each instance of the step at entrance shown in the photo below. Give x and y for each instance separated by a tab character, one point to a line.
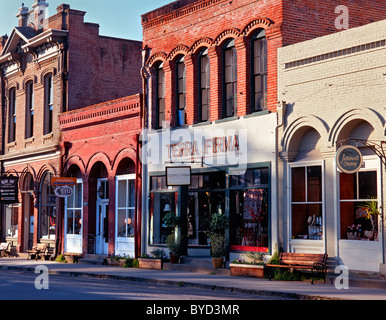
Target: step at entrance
197	265
96	259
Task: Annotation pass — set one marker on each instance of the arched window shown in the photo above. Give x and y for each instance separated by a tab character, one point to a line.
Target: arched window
47	210
160	96
203	113
12	115
181	91
229	79
259	72
30	110
48	103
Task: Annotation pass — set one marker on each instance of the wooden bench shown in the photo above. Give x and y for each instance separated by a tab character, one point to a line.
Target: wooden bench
303	261
37	251
5	249
49	254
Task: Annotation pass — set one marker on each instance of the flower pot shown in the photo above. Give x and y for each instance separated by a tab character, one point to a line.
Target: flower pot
217	263
174	258
70	259
352	235
247	270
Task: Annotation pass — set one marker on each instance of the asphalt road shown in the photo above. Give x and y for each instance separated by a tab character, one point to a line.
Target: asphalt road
20	285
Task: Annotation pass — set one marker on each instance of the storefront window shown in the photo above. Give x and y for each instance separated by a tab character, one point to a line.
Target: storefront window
47	209
125	207
74	210
11	220
357	191
307	203
249	211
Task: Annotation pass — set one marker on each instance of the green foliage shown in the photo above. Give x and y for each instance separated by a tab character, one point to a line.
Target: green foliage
173	244
60	258
371	207
131	263
219	223
217	245
171	220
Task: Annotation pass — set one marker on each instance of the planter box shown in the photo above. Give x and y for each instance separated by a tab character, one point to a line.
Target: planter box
116	263
155	264
247	270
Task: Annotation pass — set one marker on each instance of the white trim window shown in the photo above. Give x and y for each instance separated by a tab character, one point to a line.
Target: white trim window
74	218
306	201
125	215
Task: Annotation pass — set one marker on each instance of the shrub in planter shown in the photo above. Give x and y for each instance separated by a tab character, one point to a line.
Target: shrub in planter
174	246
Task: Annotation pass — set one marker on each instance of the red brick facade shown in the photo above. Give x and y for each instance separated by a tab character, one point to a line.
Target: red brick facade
185	27
60	64
101	136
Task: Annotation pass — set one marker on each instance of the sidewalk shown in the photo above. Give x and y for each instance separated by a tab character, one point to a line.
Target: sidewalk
285	290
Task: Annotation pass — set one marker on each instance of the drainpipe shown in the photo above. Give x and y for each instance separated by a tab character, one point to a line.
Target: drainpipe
142	232
281	112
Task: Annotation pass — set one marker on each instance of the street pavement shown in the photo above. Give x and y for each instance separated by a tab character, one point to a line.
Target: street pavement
260	287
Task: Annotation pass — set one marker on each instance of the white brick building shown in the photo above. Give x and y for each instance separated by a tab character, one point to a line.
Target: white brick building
333	92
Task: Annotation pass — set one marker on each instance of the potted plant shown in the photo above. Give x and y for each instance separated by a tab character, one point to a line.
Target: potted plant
216	235
174	246
252	267
154	260
372	210
173	242
353	232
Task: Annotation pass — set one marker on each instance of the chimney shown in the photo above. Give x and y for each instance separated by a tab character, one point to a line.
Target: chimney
22	16
39	12
3	40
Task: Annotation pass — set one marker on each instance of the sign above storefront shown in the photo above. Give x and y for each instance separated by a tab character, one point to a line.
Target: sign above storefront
178	176
349	159
9	190
63	181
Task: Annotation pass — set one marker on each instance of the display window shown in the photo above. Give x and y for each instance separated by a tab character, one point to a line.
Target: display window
74	210
47	209
359	206
11	220
307	202
125	206
249	211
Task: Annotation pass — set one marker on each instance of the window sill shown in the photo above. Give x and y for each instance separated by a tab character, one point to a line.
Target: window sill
256	114
227	119
204	123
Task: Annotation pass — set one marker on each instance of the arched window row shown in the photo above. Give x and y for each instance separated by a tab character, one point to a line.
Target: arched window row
201	58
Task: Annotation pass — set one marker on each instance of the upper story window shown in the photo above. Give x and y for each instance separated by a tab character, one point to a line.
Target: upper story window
259	72
203	86
30	110
48	103
12	115
229	79
160	96
181	91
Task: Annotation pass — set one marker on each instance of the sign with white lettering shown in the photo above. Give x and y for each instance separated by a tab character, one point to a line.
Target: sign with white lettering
178	176
349	159
9	191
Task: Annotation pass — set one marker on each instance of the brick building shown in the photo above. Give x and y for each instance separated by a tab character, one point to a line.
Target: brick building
51	65
211	105
333	89
101	144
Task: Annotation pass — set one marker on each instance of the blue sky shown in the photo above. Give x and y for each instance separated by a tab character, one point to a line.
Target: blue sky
117	18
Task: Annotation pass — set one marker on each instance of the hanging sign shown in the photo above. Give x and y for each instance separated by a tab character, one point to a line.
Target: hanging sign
9	191
63	191
349	159
178	176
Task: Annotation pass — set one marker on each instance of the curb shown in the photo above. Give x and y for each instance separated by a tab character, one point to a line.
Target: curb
265	293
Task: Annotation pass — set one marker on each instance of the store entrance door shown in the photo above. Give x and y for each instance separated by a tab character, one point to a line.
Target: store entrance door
102	227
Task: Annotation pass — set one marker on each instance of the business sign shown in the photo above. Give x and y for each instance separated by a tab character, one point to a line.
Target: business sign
178	176
63	181
349	159
9	190
63	192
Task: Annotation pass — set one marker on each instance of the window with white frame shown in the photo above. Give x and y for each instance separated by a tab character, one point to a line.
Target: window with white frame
307	202
125	206
74	210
